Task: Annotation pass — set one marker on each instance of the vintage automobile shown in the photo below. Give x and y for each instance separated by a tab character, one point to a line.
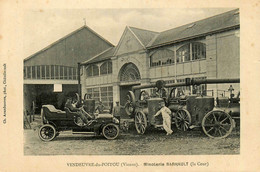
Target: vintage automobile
189	111
55	121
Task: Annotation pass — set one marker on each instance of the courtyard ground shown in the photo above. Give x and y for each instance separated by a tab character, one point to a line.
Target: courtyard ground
154	142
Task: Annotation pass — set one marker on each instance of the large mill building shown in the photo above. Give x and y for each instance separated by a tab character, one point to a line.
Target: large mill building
208	48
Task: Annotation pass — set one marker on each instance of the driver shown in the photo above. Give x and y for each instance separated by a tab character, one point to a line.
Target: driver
80	111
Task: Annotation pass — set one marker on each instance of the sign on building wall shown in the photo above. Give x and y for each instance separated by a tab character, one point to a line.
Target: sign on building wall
57	88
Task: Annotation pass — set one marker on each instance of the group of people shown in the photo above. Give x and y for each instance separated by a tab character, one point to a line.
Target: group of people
88	119
72	106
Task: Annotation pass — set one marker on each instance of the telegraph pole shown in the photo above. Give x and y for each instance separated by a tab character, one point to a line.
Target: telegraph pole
79	85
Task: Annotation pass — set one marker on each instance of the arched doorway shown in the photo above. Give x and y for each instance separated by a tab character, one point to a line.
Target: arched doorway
129	76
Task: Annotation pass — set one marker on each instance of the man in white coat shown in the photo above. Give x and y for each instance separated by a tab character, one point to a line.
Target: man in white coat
166	115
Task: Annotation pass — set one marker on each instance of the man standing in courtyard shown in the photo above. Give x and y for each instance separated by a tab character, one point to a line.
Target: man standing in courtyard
166	115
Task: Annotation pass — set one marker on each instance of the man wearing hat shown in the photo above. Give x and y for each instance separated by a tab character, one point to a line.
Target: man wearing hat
100	108
166	118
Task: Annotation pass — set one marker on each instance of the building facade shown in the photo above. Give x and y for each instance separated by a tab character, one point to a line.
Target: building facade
207	48
51	74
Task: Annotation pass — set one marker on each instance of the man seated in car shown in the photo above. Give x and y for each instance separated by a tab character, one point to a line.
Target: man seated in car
83	115
100	108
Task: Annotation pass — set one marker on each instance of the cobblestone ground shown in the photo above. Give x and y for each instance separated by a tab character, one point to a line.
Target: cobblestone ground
154	142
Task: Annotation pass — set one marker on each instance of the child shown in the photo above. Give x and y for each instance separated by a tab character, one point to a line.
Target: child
166	118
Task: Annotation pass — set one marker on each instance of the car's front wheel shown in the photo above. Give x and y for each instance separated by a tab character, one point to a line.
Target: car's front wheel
110	131
47	132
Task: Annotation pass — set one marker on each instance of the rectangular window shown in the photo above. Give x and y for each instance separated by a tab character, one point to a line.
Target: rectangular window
61	72
29	72
33	72
52	71
95	95
24	72
38	72
70	72
105	94
43	72
56	69
74	73
47	72
65	72
198	51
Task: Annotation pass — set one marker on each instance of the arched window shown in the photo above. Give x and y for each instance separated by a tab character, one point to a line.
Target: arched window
183	53
92	70
191	51
162	57
106	68
109	64
129	72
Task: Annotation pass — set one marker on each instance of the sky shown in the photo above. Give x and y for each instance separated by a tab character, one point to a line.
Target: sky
43	27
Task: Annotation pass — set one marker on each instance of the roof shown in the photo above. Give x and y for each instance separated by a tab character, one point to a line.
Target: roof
151	39
204	27
105	55
70	34
145	36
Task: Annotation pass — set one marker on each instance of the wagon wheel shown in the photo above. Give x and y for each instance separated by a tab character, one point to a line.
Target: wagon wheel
110	131
182	119
47	132
140	122
217	124
130	104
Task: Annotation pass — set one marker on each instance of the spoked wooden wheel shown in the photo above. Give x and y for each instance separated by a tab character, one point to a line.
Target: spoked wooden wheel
130	104
110	131
182	119
140	122
47	132
217	124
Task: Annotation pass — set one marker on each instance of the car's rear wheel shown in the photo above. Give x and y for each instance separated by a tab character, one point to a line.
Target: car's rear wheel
47	132
110	131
